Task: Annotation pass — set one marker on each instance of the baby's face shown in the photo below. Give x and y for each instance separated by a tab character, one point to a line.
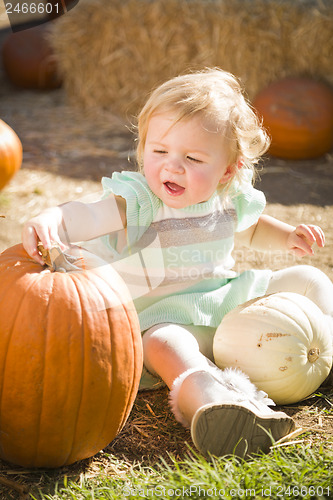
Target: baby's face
184	163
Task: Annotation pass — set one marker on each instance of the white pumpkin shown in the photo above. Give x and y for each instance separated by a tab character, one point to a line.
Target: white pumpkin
281	341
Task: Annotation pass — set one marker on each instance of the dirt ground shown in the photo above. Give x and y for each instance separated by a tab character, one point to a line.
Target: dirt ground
67	151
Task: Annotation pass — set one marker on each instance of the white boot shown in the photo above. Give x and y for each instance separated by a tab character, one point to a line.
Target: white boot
226	413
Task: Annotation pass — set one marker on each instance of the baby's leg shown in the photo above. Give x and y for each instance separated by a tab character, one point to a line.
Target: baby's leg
223	408
170	350
305	280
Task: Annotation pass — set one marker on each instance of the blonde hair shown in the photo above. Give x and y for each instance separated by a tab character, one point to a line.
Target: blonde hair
216	97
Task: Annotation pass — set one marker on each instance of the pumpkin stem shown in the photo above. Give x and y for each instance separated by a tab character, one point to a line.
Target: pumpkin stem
58	260
313	354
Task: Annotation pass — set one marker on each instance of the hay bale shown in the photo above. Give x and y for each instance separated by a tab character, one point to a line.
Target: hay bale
111	54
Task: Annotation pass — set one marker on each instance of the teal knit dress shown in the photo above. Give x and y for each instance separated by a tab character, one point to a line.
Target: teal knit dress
178	263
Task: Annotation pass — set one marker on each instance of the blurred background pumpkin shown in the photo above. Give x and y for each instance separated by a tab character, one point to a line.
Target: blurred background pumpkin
10	153
29	61
298	114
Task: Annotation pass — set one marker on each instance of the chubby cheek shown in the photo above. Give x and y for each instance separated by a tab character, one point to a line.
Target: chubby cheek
202	183
151	170
147	164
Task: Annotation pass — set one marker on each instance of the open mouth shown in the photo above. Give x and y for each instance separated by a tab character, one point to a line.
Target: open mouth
173	189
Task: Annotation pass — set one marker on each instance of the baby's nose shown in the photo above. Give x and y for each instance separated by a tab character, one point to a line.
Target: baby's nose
175	165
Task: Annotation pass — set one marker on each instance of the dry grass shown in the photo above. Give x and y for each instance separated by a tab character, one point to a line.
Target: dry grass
150	433
111	54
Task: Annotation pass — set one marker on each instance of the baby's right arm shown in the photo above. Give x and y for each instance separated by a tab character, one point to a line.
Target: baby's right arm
72	222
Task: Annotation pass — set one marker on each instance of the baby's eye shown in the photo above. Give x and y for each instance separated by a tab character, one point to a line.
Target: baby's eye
160	151
196	160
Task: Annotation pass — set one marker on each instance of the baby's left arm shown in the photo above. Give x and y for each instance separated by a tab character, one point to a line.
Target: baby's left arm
270	234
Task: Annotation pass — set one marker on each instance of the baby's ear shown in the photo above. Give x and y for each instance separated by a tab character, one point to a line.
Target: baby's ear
228	174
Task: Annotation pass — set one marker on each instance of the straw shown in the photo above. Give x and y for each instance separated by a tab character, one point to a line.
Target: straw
111	54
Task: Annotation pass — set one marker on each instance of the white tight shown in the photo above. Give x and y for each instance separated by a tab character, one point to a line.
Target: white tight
305	280
170	349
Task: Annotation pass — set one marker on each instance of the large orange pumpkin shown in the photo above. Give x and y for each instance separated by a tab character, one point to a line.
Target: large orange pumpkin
70	361
10	153
298	114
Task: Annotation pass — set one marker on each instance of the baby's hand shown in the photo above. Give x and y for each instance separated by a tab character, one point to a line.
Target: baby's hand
44	228
300	240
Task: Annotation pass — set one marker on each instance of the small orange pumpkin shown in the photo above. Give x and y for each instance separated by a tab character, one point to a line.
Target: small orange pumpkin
298	114
70	360
10	153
